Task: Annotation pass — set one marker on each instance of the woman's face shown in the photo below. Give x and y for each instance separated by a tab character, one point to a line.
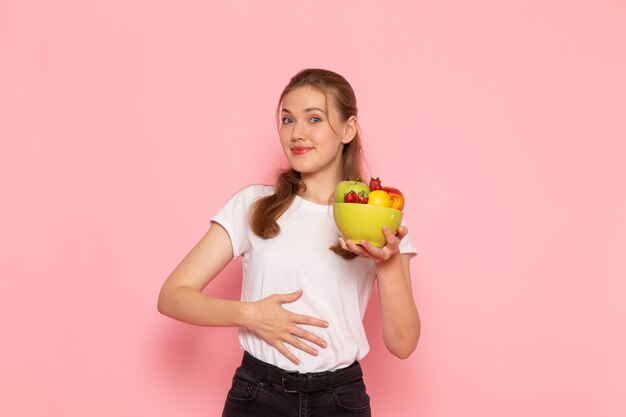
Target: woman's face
311	131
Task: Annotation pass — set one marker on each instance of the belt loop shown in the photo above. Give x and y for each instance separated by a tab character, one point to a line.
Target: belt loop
270	372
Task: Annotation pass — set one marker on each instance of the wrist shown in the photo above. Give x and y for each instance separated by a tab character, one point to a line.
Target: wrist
246	313
394	261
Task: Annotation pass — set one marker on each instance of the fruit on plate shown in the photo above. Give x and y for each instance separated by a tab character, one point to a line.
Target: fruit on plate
377	195
397	199
353	197
379	198
375	184
355	191
376	207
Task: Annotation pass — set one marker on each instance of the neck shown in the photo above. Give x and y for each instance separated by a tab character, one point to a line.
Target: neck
320	186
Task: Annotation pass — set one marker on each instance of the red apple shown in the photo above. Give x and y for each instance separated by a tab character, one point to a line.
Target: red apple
397	199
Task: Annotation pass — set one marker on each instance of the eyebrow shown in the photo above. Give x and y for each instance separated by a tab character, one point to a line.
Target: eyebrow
307	110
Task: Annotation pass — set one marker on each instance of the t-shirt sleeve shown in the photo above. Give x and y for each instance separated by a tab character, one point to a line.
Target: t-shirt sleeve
234	217
406	245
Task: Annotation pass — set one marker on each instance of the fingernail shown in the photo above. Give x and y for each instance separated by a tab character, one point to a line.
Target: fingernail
315	352
325	324
323	344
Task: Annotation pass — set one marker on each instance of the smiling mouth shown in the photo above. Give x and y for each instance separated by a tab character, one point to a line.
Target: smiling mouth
300	150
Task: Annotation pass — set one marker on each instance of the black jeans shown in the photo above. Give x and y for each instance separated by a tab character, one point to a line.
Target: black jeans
255	395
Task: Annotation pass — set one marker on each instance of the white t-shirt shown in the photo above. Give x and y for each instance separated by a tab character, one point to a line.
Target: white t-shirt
334	289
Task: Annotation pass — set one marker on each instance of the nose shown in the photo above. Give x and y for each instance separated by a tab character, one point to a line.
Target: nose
297	132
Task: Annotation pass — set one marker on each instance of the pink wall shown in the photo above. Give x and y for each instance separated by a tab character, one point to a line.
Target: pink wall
122	124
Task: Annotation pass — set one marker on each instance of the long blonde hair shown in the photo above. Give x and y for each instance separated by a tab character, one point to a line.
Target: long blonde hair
267	210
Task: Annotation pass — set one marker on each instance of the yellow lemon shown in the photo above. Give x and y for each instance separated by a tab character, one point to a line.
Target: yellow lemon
379	198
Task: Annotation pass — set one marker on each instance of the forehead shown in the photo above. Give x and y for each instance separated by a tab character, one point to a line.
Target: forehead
303	98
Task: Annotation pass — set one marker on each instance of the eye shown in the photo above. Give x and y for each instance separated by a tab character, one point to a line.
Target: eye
315	119
286	120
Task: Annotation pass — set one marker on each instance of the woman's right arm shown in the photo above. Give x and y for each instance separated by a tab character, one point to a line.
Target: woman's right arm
181	295
181	298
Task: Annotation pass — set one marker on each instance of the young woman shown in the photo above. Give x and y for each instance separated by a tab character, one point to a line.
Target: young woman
305	289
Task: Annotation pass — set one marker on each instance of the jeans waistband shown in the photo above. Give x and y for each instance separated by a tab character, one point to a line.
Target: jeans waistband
293	381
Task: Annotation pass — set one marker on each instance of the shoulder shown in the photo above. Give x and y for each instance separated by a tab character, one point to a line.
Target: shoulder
255	191
250	193
239	204
258	190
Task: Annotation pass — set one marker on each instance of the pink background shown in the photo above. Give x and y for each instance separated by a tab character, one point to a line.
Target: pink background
125	125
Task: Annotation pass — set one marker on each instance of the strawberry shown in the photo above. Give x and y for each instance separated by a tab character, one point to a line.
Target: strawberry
350	197
375	184
353	197
362	197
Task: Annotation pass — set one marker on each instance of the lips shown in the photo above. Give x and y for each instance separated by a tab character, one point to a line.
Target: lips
300	150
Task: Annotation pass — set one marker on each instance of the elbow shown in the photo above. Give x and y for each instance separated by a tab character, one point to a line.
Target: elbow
164	303
404	346
161	307
402	355
404	350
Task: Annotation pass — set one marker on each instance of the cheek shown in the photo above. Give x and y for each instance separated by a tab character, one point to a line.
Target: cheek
283	136
332	141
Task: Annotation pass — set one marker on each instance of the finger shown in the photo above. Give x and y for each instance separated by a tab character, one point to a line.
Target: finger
390	237
378	254
303	334
288	298
350	245
299	344
283	349
374	251
402	232
358	250
343	243
312	321
353	247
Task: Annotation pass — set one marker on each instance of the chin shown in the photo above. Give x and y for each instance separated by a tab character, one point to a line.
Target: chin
309	165
301	170
301	167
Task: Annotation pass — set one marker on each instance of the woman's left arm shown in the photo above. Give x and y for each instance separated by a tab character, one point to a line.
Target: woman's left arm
400	319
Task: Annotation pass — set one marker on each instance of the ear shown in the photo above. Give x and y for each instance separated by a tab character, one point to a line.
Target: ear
350	130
